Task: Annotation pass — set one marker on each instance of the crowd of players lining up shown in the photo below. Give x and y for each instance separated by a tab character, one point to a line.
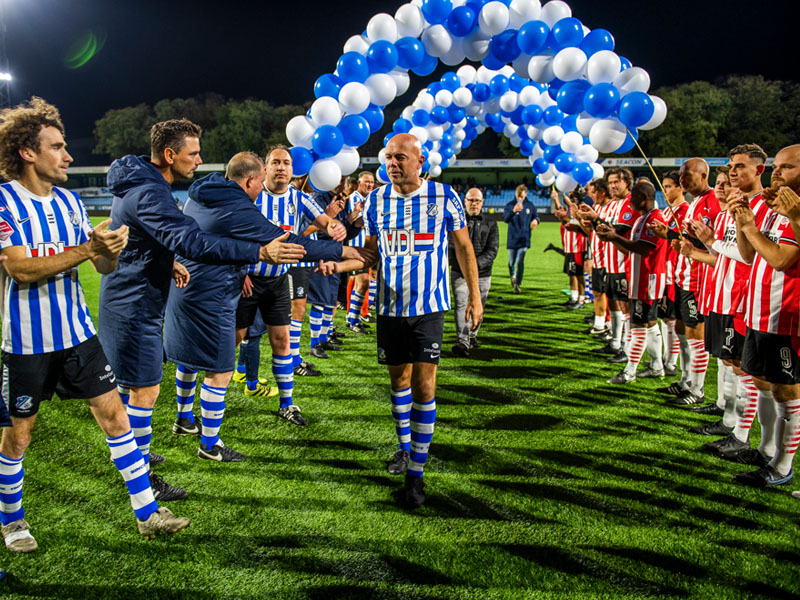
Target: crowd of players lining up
721	272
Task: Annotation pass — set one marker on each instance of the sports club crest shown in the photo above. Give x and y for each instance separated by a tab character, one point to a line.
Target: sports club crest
433	210
290	208
74	218
627	216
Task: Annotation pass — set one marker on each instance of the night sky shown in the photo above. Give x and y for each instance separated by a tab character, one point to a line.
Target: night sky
275	52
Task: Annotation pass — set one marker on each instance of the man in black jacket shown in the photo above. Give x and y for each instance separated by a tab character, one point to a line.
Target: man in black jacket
485	240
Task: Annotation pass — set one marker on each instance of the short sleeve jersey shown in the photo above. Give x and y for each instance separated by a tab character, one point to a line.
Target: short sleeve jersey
689	273
358	240
49	314
647	273
412	232
619	213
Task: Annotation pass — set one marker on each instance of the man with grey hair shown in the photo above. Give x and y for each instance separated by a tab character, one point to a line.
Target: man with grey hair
485	240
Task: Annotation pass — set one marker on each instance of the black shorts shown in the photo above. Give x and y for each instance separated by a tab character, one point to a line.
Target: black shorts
617	286
298	282
686	307
643	311
78	372
722	339
599	281
271	297
323	290
666	308
573	264
406	340
770	356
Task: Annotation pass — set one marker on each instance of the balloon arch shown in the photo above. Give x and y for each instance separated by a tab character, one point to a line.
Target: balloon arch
553	87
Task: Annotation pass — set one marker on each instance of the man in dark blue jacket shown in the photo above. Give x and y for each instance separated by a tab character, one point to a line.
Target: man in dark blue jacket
199	331
522	219
133	297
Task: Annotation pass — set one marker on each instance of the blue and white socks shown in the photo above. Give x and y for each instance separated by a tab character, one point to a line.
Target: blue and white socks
130	464
423	420
295	330
315	323
11	474
283	371
140	420
354	311
185	379
401	413
212	405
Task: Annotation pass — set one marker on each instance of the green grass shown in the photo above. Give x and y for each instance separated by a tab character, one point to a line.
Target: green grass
543	482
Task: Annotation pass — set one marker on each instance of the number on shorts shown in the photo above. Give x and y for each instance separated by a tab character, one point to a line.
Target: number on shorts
786	358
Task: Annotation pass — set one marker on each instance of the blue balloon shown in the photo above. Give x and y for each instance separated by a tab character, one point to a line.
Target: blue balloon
567	33
355	130
553	87
352	66
421	117
436	11
553	115
328	85
532	37
439	115
492	119
446	152
564	162
374	117
504	46
382	175
601	100
301	161
462	21
540	165
410	52
434	88
427	66
382	57
526	147
492	63
498	85
445	163
456	113
582	173
447	139
629	142
636	109
550	153
570	96
327	141
388	137
481	93
402	126
477	5
517	83
516	116
595	41
532	115
570	123
625	64
450	81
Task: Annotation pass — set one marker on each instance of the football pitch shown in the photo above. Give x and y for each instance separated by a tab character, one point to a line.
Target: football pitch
544	481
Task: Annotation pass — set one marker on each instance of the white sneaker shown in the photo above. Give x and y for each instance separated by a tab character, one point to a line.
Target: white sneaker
18	538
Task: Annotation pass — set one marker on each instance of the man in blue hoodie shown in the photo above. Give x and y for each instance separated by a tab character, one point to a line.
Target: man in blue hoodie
522	219
133	297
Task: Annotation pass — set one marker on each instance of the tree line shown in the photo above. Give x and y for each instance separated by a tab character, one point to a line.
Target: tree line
704	118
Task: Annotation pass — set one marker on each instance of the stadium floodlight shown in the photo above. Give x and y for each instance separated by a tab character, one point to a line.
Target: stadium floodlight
5	77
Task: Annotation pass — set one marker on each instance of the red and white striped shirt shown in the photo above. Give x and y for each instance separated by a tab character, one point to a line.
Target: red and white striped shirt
647	273
674	217
574	242
619	212
599	246
773	301
689	273
724	288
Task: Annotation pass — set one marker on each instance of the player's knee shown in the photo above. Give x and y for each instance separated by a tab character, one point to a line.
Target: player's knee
15	441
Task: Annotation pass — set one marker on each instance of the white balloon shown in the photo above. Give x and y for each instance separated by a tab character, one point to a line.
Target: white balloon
420	133
408	112
659	114
540	69
382	27
565	183
444	98
436	40
475	45
354	98
484	75
520	65
435	171
325	174
357	43
568	64
425	101
572	142
493	18
506	70
515	140
454	56
522	11
325	111
480	129
553	135
510	130
587	153
630	80
607	135
554	11
599	171
382	156
409	21
537	152
508	101
585	122
299	131
534	133
546	180
467	74
462	97
401	80
603	67
492	106
529	95
473	109
434	158
459	135
348	160
435	132
382	88
379	177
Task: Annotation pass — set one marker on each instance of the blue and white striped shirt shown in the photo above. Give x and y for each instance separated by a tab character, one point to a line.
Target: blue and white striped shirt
413	273
286	211
49	314
351	206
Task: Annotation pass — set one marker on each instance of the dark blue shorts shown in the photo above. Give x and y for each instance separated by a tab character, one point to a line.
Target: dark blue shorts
323	290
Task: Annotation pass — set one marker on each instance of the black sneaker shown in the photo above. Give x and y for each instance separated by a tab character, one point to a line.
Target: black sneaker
399	463
619	357
307	365
358	328
460	350
157	459
473	343
302	371
685	398
726	445
318	352
673	389
764	477
550	247
715	428
748	456
185	427
368	319
164	492
607	349
332	346
576	306
337	334
292	414
221	453
570	303
415	496
708	409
